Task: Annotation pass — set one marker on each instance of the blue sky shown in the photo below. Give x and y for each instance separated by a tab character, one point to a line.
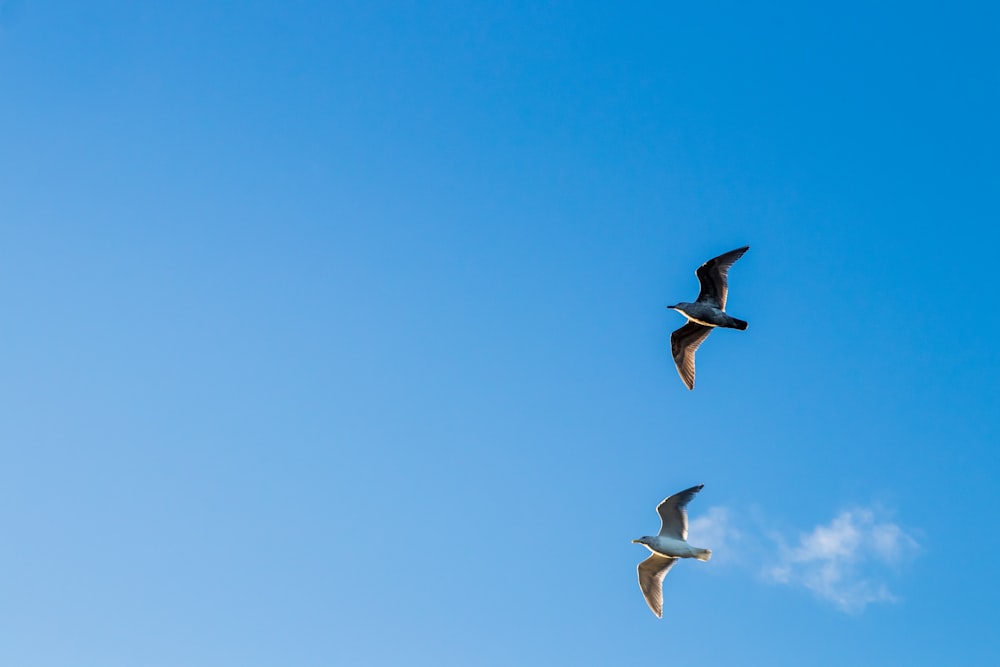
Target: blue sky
335	333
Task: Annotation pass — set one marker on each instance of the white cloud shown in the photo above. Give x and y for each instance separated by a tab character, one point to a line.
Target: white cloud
715	530
846	562
841	561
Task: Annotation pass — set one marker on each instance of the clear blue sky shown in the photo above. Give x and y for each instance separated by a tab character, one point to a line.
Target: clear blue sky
334	333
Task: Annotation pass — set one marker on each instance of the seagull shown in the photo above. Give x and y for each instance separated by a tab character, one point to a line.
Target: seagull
705	313
667	547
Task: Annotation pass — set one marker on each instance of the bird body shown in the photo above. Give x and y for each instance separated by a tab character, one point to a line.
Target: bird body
668	546
708	316
705	314
674	548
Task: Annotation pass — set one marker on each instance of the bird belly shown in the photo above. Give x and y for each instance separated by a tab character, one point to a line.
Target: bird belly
707	316
674	548
701	322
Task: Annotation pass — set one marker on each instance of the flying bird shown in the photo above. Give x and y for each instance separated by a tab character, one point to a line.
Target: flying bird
667	547
705	313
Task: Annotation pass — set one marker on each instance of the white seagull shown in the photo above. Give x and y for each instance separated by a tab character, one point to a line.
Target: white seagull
706	313
667	547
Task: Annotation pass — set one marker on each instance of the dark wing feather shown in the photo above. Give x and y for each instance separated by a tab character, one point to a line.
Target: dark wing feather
673	515
651	574
683	344
712	276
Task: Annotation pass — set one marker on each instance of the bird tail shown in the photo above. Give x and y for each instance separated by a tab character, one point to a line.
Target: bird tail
738	324
703	554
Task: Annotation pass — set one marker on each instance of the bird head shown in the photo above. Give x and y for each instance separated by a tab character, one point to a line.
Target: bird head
641	540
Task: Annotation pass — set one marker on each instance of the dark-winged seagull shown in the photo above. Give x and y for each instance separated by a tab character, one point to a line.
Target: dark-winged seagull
705	313
667	547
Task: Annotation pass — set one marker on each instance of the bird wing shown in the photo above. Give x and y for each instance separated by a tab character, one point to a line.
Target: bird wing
712	276
651	573
683	344
673	515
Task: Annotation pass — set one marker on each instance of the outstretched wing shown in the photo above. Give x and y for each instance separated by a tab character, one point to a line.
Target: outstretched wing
683	344
673	515
651	573
713	277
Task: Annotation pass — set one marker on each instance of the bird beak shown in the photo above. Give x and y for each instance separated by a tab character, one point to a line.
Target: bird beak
636	542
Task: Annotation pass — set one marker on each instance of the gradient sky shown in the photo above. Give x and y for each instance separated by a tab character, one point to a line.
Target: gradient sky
334	333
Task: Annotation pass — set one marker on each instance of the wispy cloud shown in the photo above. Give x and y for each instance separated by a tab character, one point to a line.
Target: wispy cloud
715	529
844	562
